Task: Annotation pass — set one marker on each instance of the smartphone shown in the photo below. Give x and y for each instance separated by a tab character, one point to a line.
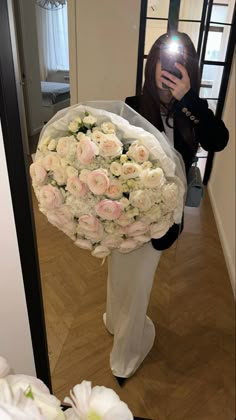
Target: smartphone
171	53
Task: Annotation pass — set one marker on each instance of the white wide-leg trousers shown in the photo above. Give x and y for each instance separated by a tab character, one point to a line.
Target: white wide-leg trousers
130	280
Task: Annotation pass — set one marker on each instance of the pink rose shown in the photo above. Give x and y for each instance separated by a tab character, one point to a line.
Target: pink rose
128	245
137	228
138	152
110	146
76	187
89	223
37	173
86	150
108	209
63	219
98	181
114	190
65	145
50	197
51	161
112	241
84	244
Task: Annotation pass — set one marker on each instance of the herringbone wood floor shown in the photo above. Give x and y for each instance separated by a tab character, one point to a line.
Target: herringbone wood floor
189	373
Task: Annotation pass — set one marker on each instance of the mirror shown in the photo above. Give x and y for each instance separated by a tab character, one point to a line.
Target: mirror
74	283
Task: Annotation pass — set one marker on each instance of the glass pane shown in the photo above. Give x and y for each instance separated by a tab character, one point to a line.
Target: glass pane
158	8
154	29
212	104
191	29
191	9
217	42
222	13
211	81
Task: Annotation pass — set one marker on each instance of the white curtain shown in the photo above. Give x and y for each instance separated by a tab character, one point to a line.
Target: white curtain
52	28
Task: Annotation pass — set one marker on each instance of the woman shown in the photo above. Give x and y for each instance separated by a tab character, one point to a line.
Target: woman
187	121
192	122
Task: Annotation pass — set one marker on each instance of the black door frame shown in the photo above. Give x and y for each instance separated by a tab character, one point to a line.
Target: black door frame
21	198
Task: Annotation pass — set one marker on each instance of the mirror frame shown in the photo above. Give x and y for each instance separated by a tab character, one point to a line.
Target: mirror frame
17	166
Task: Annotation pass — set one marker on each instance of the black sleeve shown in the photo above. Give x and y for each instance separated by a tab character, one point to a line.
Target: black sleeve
210	131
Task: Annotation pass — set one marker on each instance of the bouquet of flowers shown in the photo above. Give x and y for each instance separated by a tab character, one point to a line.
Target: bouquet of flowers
106	183
27	398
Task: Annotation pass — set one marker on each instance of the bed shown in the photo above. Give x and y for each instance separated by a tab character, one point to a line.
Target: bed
55	96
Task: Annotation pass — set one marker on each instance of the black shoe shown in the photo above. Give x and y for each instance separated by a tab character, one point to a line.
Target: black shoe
120	381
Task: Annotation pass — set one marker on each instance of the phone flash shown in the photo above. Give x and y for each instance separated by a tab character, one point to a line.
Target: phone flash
173	47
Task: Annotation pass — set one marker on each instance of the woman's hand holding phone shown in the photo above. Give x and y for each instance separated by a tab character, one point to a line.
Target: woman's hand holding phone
178	87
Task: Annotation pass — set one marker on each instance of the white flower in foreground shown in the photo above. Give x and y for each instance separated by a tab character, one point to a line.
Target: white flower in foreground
4	367
48	404
98	403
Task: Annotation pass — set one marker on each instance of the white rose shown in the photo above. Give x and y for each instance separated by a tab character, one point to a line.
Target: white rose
138	152
78	120
71	171
108	128
83	176
80	135
89	120
141	200
60	175
109	227
101	251
110	146
52	145
130	170
147	165
170	195
73	126
157	230
116	168
97	136
123	158
152	178
124	202
44	142
133	212
125	219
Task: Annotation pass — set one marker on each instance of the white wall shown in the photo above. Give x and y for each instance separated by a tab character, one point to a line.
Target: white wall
106	48
222	184
15	339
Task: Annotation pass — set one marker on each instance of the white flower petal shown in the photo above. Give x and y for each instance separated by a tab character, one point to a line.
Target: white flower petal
102	400
118	412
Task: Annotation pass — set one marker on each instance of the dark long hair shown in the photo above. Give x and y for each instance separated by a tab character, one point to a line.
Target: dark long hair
150	100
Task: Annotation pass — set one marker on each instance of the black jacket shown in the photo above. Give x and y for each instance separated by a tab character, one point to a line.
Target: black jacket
208	130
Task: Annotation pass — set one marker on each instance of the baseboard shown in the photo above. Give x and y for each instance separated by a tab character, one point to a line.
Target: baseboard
224	244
